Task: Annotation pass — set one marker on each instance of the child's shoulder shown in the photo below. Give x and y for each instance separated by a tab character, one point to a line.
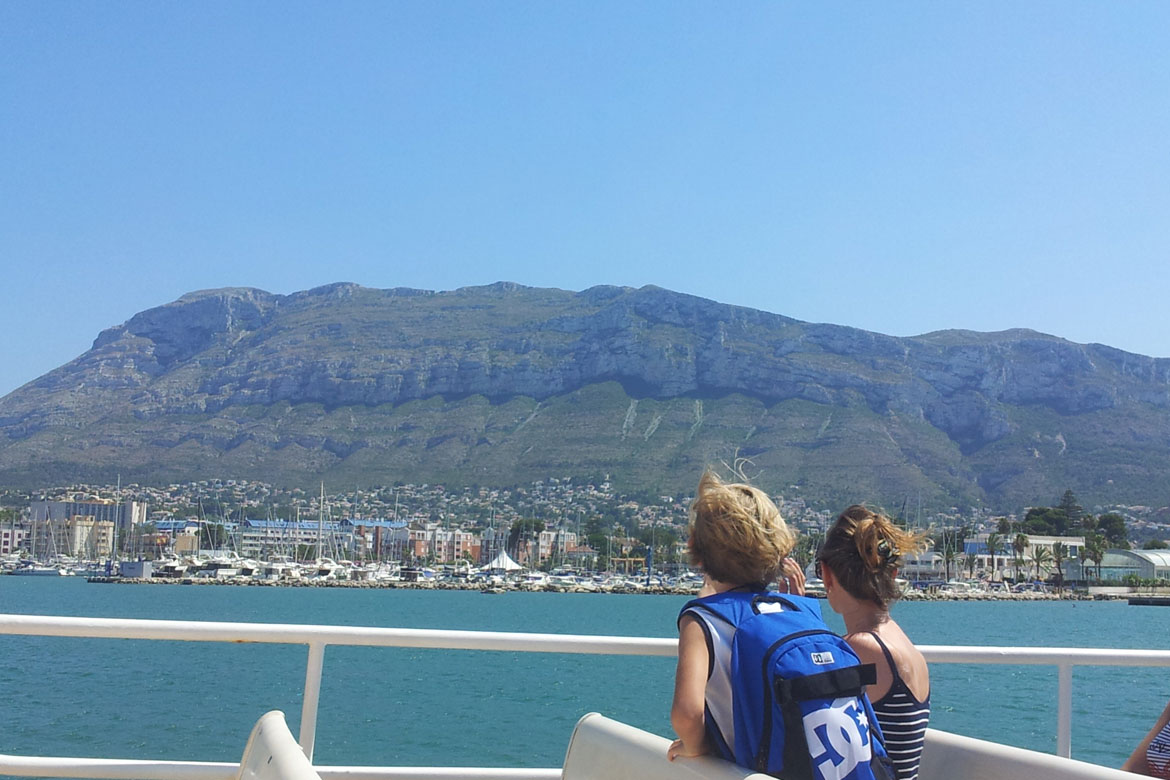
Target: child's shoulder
728	604
738	603
731	595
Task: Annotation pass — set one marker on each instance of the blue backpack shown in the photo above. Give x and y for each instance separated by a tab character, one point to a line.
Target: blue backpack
797	691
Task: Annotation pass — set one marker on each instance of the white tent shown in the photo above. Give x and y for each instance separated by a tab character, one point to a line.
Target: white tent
505	562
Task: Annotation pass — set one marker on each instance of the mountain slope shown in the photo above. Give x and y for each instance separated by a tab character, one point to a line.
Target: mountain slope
503	384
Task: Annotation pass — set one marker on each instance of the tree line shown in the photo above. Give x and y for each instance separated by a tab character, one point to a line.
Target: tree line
1066	518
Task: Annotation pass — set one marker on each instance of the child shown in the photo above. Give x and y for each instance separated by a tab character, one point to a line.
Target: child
741	543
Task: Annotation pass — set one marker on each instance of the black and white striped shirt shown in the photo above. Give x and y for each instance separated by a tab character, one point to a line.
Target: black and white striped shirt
903	721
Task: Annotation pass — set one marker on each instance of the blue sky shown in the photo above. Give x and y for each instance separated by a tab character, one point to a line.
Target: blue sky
900	167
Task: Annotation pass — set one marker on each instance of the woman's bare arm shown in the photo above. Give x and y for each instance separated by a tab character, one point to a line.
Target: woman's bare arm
1137	761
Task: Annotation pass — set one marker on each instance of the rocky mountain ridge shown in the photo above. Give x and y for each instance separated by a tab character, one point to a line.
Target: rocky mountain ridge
234	378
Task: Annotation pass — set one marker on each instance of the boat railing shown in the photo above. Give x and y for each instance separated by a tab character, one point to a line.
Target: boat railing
318	637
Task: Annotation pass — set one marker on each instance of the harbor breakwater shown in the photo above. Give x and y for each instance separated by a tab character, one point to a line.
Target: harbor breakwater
912	595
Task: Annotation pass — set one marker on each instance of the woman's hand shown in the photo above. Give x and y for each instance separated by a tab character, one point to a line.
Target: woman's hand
793	576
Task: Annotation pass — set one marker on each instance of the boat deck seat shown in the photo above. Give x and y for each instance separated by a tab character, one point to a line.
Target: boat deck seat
949	755
273	754
604	749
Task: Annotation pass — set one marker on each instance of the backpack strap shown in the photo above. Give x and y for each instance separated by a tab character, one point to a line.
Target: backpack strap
831	684
778	598
734	606
730	606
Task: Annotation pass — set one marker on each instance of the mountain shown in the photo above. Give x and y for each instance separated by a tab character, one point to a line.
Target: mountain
503	384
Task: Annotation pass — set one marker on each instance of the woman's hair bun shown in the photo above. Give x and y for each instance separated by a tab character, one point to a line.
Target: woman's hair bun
864	549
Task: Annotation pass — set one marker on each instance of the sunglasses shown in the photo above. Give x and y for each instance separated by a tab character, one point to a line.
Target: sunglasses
817	568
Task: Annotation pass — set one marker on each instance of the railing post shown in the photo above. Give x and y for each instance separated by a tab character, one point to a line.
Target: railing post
311	696
1064	712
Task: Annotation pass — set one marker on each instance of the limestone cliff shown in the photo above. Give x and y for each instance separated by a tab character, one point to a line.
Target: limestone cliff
378	385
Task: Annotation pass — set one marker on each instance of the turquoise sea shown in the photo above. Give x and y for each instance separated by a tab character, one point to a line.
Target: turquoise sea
197	701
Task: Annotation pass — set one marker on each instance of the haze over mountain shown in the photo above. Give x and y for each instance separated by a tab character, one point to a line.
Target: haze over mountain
503	384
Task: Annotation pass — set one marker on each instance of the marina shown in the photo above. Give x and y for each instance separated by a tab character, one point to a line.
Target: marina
499	576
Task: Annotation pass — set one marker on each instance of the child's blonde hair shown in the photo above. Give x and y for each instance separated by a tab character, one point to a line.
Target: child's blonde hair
737	535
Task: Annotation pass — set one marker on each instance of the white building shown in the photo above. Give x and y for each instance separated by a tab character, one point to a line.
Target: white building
1116	565
262	538
87	537
1005	558
11	539
75	527
123	515
931	565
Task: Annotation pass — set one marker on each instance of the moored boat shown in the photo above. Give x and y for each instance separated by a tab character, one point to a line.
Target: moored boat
32	569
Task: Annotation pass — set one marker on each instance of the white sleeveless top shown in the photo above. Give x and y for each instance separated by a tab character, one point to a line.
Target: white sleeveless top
718	692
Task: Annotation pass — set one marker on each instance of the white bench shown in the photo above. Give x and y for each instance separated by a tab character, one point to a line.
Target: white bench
964	758
273	754
604	749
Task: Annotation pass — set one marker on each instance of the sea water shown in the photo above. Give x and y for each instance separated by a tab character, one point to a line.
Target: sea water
399	706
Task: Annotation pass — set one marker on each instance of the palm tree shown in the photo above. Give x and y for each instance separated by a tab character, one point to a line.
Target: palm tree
1041	556
1019	545
1059	553
967	561
1094	551
994	547
948	558
806	549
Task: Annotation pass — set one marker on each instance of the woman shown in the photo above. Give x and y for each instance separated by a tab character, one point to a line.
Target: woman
1152	755
859	565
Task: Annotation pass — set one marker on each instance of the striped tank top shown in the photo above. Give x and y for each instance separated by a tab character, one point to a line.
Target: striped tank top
903	720
1158	754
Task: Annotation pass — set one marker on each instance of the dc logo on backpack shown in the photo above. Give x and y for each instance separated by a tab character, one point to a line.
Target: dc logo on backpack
837	738
796	690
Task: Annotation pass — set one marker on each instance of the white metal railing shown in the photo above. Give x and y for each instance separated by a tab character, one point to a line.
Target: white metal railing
1063	658
317	637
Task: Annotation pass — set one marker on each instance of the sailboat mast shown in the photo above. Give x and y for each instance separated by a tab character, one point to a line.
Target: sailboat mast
120	511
